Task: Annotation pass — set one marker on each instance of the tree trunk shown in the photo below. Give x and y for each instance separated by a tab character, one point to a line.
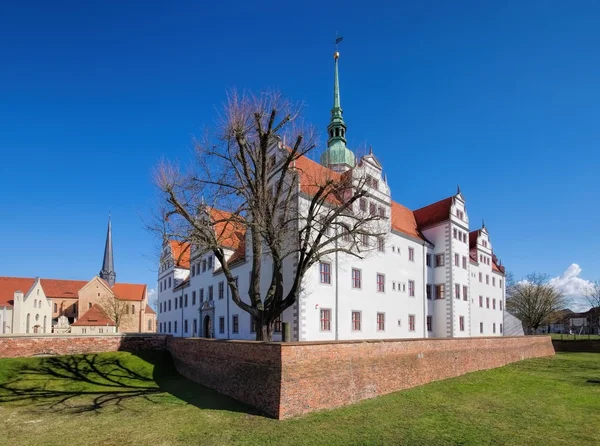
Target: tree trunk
264	332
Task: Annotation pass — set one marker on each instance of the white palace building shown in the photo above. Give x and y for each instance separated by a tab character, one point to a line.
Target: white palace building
432	276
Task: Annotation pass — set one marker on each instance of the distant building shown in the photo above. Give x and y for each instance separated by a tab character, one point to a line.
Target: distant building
94	322
33	305
567	321
431	275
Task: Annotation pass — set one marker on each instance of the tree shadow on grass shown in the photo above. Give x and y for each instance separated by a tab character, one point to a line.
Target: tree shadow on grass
92	382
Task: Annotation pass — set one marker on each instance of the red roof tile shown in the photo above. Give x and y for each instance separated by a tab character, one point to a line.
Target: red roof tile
229	232
403	220
473	238
434	213
313	176
94	317
149	310
129	291
181	253
8	286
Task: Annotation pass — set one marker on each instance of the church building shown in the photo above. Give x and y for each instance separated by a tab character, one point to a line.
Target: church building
435	274
34	305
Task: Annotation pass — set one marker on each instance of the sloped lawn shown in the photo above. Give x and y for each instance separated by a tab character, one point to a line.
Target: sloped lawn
125	399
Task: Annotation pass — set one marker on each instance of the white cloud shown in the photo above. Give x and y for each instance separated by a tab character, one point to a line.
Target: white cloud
152	297
572	286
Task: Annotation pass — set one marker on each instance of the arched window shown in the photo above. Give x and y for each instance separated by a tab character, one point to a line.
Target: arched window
337	132
35	303
45	323
133	309
28	323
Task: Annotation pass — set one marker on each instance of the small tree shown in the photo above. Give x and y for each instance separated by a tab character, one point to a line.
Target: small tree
115	309
534	301
249	186
592	294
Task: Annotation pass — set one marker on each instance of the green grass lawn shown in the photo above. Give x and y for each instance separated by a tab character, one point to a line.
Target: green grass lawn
124	399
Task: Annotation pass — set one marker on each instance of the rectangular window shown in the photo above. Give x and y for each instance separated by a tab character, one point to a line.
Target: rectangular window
221	324
428	290
277	325
429	323
372	209
185	300
193	298
500	328
195	326
381	244
252	324
487	279
461	323
380	321
494	327
169	282
169	327
160	286
411	288
356	321
428	259
460	214
325	272
235	326
439	260
380	283
365	239
180	301
456	260
203	265
356	278
481	327
363	205
454	232
500	305
493	281
480	277
221	290
210	262
481	301
411	322
210	292
465	292
381	212
494	304
175	327
464	262
487	302
201	295
457	291
185	326
175	300
169	306
411	254
439	291
325	319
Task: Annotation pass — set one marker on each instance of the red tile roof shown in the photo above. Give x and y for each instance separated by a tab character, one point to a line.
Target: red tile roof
403	220
63	289
473	238
229	232
313	176
181	253
434	213
129	291
149	310
94	317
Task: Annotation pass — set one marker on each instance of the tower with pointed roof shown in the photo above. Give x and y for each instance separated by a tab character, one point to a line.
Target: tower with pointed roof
337	156
108	267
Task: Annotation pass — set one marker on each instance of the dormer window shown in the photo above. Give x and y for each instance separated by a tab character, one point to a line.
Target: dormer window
372	182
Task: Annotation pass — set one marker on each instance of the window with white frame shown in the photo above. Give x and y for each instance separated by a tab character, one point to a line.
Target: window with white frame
325	319
411	288
325	272
380	321
356	278
356	321
380	283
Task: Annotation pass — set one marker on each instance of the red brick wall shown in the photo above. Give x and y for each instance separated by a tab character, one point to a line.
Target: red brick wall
289	379
248	371
27	345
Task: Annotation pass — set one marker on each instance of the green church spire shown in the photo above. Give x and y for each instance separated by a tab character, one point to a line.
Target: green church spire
337	156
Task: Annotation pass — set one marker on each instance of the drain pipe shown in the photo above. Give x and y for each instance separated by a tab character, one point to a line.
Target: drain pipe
337	269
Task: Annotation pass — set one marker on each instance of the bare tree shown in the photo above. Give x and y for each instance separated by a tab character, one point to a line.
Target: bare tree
592	294
250	194
115	309
534	301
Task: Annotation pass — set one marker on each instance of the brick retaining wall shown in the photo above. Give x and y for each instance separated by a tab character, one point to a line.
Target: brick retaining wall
33	345
289	379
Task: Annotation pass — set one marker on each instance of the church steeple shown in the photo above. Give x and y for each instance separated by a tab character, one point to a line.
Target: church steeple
337	156
108	267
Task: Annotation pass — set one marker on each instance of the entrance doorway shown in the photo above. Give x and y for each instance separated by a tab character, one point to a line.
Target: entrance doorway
207	327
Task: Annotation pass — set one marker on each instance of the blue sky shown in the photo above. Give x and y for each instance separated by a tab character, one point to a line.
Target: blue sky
501	97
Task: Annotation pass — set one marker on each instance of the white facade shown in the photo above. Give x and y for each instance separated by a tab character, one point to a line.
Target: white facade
31	312
443	259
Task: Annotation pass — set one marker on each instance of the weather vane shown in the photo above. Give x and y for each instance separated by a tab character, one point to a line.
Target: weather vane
338	39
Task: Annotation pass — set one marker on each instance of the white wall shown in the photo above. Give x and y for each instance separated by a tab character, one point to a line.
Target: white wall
30	309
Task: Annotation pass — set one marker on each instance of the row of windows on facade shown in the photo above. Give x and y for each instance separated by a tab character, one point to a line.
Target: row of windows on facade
183	300
460	235
100	330
163	284
165	327
202	266
356	322
166	265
